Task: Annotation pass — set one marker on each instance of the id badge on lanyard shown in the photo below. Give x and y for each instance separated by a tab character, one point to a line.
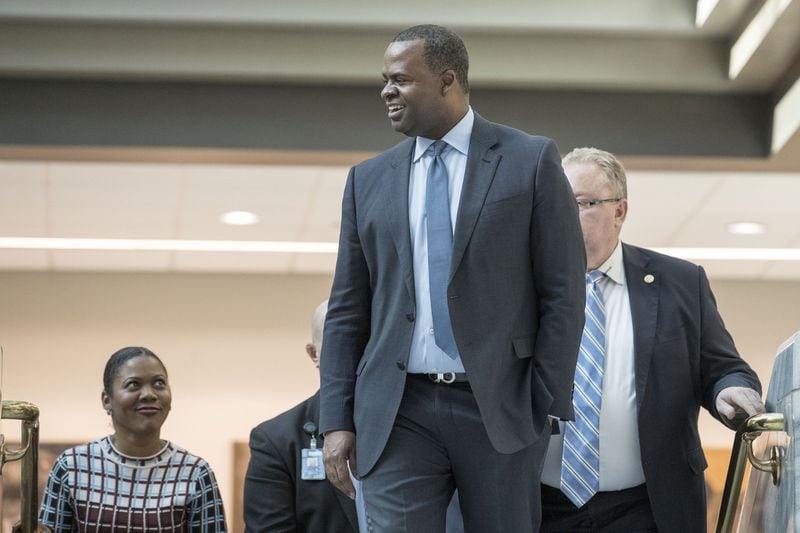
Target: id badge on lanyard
312	466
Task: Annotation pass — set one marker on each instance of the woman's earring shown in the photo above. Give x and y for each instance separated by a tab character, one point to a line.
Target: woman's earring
108	411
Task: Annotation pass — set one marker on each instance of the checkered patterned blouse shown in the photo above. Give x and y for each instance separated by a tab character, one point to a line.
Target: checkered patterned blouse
95	488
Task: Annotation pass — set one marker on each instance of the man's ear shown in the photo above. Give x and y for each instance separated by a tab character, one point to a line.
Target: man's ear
448	79
311	350
621	210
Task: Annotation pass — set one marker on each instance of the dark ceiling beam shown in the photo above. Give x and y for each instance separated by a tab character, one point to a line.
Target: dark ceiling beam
297	117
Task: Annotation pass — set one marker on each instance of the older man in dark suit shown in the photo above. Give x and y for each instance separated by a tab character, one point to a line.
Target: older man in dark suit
655	350
277	496
456	308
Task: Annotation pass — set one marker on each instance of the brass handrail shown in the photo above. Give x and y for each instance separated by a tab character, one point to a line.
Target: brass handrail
28	454
743	450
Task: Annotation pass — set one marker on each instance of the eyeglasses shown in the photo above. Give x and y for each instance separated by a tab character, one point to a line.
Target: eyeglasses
586	204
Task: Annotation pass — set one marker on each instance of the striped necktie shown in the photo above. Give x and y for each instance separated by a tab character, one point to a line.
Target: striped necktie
580	462
440	248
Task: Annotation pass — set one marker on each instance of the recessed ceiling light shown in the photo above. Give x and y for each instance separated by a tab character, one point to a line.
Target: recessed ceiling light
239	218
747	228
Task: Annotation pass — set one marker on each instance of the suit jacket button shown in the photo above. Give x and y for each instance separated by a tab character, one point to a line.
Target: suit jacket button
410	317
401	365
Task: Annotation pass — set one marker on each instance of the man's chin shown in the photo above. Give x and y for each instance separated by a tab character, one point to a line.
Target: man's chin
399	127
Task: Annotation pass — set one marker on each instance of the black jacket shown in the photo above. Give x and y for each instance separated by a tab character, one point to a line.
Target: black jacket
275	498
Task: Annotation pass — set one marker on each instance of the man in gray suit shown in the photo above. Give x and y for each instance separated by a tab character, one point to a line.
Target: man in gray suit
456	309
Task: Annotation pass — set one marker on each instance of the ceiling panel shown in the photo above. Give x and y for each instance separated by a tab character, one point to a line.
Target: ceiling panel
279	195
659	203
168	201
274	224
321	226
768	199
113	200
219	184
331	186
23	199
324	216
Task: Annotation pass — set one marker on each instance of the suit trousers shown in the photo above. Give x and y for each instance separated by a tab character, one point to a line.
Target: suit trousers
625	510
439	443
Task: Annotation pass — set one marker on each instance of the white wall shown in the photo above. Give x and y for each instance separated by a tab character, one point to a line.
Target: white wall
234	347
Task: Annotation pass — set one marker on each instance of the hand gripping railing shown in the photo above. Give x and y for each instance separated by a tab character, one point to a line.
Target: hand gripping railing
28	453
743	448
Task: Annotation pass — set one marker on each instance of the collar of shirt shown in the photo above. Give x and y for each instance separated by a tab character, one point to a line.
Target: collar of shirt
458	137
614	267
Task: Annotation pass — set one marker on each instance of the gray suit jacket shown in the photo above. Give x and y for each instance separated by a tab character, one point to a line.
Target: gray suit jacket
516	292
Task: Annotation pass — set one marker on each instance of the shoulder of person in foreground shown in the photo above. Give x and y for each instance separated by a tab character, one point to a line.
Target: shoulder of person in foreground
511	137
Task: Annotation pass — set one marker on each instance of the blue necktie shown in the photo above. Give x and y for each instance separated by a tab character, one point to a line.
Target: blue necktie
440	248
580	463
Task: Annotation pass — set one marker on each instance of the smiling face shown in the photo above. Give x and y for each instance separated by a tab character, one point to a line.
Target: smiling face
140	398
419	101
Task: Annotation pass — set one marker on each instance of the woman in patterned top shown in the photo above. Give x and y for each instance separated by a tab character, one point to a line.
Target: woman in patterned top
132	481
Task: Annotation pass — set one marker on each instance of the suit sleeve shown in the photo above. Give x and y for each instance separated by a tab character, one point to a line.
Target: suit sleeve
269	488
559	269
720	363
347	325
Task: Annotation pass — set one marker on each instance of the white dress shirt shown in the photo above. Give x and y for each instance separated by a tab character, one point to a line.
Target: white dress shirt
425	356
620	456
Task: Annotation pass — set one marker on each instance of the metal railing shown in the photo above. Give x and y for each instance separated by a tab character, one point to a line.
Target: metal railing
743	451
28	454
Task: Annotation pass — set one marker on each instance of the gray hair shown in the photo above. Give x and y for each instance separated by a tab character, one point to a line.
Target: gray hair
612	169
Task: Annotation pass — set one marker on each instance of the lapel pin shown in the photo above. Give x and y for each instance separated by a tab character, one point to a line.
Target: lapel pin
649	278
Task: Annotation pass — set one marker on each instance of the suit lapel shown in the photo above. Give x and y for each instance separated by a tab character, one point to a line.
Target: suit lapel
481	166
643	290
482	163
395	205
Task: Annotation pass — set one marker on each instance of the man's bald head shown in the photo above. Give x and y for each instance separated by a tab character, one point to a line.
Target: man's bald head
314	348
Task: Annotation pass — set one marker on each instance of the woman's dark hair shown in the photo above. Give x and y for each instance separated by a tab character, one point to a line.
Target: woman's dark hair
122	356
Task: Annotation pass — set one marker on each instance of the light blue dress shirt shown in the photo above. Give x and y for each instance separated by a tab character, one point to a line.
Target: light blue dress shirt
425	356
